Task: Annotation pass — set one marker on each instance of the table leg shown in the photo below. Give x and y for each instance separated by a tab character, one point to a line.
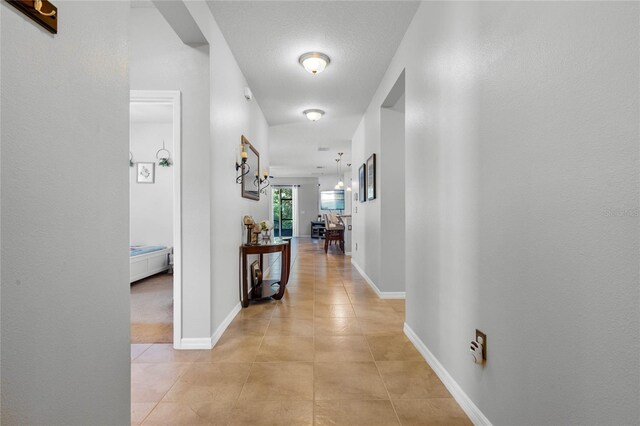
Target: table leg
245	295
285	258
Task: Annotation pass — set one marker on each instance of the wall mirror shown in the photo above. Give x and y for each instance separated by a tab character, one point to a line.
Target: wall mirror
251	181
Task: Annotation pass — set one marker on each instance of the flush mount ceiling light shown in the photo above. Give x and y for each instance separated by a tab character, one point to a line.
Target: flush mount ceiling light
314	62
313	114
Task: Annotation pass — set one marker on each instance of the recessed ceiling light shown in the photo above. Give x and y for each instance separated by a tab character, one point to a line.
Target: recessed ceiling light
314	62
313	114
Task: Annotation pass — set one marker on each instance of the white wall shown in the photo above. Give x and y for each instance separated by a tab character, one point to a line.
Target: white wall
231	116
522	171
151	205
65	265
307	200
366	251
159	60
390	165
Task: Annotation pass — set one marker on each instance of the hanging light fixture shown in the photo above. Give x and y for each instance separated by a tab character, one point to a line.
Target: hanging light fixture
313	114
350	180
314	62
340	183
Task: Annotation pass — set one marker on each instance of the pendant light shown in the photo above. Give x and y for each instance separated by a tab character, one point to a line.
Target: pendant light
340	183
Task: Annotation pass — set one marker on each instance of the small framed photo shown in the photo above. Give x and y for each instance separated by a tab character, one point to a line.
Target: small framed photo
371	178
146	172
361	181
256	274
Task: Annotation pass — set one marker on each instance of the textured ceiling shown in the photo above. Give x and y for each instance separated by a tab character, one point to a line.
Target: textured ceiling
267	38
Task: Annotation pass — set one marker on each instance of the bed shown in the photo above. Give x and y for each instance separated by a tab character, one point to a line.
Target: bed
148	260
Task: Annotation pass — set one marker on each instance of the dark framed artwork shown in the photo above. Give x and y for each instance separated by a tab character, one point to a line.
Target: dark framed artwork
371	178
362	188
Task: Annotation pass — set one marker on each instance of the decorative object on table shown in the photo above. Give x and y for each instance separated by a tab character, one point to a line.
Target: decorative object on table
362	172
256	274
248	223
255	232
41	11
146	173
164	159
131	163
371	178
266	227
250	157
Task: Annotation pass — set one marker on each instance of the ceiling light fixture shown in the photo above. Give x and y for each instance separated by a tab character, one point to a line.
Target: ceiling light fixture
313	114
314	62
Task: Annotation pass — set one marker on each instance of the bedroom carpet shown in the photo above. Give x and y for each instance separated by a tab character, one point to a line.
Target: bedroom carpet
152	309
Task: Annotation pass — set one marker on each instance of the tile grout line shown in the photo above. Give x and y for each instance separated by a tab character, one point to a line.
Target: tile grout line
375	362
141	353
149	413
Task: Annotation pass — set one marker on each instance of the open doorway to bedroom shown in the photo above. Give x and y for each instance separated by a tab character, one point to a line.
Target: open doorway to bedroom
154	188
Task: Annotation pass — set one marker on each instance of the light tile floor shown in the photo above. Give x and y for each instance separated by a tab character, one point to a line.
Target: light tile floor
330	353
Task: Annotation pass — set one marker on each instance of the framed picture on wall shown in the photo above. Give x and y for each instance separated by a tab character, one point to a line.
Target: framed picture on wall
361	190
371	177
146	173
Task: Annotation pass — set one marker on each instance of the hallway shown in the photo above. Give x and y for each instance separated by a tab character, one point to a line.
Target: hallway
331	352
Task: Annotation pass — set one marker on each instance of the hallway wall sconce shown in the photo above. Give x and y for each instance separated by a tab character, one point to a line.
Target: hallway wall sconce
313	114
130	159
259	182
314	62
242	166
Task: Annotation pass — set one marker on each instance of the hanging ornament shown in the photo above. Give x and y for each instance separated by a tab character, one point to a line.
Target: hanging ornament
163	156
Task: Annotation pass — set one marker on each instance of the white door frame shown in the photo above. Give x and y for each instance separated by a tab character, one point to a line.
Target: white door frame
172	97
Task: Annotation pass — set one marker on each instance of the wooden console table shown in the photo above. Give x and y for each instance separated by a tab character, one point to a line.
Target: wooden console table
265	290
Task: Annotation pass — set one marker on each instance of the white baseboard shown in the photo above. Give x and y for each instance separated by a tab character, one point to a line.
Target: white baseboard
222	327
210	342
473	412
195	343
381	294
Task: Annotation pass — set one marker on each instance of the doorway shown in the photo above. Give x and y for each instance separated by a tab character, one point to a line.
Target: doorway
392	204
155	217
283	211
